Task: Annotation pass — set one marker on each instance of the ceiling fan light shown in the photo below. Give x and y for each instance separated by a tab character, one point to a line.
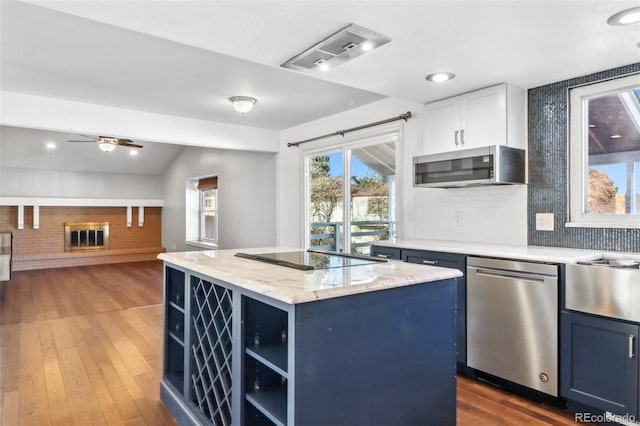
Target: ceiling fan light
106	146
242	104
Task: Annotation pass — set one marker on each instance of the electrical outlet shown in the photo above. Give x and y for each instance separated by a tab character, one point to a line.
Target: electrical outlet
544	221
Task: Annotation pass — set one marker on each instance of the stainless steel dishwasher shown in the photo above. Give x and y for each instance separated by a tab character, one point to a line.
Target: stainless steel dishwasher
512	321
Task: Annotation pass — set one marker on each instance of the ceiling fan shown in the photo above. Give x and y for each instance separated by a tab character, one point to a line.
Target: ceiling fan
108	143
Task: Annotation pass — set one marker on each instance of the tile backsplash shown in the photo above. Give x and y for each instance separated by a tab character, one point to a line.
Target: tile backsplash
492	214
548	178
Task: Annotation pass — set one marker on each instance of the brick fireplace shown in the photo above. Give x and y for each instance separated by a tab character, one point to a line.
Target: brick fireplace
45	247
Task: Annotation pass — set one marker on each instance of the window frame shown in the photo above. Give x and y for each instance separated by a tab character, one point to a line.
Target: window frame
202	213
578	155
194	215
381	134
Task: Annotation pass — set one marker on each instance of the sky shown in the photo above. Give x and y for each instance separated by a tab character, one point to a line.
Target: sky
358	169
618	173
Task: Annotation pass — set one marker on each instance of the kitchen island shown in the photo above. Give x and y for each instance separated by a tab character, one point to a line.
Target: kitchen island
253	343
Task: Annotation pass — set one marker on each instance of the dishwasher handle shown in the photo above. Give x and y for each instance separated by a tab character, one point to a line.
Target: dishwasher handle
510	274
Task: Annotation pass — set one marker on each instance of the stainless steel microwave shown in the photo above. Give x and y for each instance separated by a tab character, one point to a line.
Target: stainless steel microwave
490	165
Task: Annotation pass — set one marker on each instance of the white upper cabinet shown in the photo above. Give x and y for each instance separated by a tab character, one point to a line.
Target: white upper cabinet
491	116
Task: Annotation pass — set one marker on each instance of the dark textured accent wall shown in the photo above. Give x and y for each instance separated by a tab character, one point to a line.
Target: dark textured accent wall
548	110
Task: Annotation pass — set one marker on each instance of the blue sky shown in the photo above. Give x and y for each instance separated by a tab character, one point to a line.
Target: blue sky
618	173
358	168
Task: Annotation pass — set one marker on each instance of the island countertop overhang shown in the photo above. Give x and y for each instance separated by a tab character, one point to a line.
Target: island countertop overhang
294	286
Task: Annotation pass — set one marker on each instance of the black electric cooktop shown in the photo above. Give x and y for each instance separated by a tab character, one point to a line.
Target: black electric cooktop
311	259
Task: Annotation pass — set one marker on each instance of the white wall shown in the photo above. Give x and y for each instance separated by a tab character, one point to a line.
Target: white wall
19	182
246	196
488	214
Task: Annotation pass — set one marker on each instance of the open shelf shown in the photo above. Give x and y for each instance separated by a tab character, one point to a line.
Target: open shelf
255	417
272	403
273	356
177	380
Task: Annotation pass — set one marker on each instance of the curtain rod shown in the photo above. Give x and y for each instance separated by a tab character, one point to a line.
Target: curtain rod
406	116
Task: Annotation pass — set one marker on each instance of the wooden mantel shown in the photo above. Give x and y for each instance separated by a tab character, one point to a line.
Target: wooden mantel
37	202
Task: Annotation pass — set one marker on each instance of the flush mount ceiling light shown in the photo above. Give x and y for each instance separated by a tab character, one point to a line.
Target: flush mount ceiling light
438	77
50	145
625	17
340	47
242	104
106	146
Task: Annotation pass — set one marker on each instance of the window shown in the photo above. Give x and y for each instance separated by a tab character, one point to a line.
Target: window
350	193
604	180
208	191
201	214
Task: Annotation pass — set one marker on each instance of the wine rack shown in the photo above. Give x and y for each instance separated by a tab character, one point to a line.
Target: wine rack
211	349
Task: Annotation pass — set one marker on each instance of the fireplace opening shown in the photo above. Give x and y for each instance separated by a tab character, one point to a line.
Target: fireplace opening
86	236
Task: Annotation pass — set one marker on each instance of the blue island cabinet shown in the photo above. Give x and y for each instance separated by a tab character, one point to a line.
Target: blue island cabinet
236	357
599	364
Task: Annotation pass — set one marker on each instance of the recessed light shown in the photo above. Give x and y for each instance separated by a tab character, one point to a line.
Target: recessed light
625	17
367	46
133	153
438	77
322	65
616	136
50	145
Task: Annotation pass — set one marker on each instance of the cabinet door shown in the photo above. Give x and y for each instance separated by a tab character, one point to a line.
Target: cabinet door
484	117
599	363
442	126
454	261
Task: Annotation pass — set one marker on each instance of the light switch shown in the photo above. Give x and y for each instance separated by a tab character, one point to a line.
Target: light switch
544	221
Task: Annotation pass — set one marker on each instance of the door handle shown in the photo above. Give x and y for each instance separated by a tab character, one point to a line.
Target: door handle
462	137
632	339
430	262
456	137
384	256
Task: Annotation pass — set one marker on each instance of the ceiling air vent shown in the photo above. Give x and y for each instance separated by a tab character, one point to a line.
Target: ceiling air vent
342	46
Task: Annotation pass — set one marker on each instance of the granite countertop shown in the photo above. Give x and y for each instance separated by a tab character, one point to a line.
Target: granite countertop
295	286
518	252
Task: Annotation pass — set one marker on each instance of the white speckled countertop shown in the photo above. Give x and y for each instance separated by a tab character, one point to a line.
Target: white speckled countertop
295	286
519	252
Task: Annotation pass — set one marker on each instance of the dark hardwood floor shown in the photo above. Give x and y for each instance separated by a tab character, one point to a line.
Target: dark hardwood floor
83	346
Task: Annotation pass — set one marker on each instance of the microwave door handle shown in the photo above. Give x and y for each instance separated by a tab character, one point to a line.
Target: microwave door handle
455	139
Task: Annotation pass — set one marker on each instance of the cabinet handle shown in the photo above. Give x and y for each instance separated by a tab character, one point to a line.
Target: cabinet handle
631	344
462	137
430	262
456	137
384	256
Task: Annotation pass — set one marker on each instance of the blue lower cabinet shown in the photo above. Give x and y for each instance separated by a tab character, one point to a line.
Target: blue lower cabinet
232	356
599	363
453	261
385	252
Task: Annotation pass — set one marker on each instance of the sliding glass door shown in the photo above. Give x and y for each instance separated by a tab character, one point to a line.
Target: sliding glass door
351	196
